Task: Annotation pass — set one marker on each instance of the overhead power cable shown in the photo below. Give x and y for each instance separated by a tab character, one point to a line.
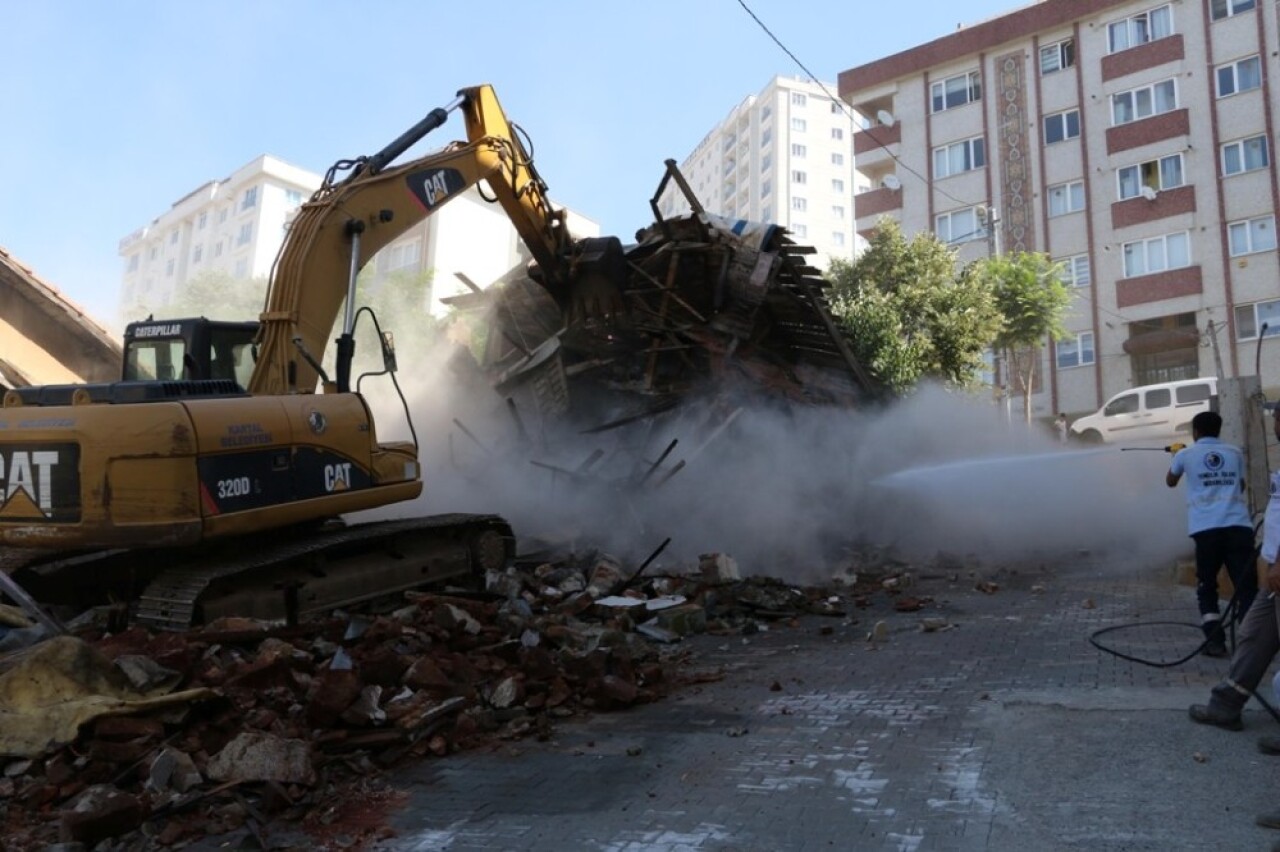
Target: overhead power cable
845	108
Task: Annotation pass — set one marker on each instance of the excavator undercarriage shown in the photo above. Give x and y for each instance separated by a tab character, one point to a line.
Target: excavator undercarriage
287	575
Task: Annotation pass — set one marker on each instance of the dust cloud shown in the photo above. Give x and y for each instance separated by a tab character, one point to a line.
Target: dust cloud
785	492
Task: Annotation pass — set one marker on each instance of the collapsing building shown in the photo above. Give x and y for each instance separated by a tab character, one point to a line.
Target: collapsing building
710	310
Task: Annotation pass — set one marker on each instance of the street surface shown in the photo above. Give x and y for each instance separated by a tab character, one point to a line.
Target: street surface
1008	731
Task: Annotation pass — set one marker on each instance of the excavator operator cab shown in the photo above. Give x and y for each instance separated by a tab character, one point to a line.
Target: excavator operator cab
189	350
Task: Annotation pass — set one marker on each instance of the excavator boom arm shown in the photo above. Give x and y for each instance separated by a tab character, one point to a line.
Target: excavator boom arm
313	270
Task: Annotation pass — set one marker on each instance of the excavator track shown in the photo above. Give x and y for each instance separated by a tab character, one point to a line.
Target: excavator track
291	576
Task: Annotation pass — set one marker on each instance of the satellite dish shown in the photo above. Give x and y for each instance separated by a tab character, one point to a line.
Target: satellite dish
1147	193
891	182
886	118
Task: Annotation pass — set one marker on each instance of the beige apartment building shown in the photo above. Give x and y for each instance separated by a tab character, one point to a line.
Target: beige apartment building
1132	141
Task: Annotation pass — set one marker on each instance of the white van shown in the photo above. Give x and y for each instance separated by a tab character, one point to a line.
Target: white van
1148	413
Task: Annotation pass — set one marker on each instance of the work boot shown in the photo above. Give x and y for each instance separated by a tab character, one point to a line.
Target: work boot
1207	714
1215	648
1269	744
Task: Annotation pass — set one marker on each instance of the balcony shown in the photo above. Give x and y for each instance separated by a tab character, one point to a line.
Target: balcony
1157	286
1144	131
874	138
1149	55
1168	202
876	201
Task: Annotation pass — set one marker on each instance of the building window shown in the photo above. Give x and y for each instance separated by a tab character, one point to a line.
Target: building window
1164	173
1239	76
1061	126
217	249
1220	9
956	91
1066	198
197	253
836	108
250	198
766	136
766	214
837	238
1075	270
173	238
154	250
1140	29
765	112
959	226
133	263
1244	155
837	185
799	151
837	133
766	186
837	211
799	177
837	159
799	204
798	99
242	268
799	125
802	231
1144	102
959	157
1075	351
1252	235
1058	56
168	267
1251	318
292	197
246	234
202	221
1168	251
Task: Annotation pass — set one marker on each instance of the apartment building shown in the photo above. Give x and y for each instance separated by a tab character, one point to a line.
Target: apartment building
237	225
234	226
1132	141
784	155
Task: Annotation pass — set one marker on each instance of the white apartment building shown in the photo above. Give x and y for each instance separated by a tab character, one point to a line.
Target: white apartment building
784	156
234	226
1132	140
238	224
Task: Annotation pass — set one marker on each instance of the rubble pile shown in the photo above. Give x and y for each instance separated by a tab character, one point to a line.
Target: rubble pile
700	308
288	722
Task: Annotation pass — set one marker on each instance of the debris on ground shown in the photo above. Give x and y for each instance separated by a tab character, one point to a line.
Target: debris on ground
161	738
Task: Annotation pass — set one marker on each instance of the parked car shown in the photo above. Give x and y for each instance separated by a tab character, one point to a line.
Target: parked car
1149	413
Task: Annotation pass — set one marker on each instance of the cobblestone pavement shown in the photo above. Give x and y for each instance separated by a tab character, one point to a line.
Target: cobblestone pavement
1007	732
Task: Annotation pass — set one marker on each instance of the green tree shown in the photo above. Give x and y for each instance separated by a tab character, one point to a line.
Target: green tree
910	316
1032	298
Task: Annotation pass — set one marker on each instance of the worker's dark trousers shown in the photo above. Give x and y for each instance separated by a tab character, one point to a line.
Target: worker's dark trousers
1257	642
1232	547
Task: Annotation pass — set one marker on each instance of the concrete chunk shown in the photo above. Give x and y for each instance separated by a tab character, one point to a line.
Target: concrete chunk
263	757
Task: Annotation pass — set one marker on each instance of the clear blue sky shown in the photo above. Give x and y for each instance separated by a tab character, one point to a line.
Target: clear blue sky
113	111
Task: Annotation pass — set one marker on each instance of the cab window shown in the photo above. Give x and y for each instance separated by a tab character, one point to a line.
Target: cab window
155	359
1158	398
231	355
1189	394
1126	404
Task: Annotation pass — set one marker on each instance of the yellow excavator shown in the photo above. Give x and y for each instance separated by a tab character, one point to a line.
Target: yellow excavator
208	494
